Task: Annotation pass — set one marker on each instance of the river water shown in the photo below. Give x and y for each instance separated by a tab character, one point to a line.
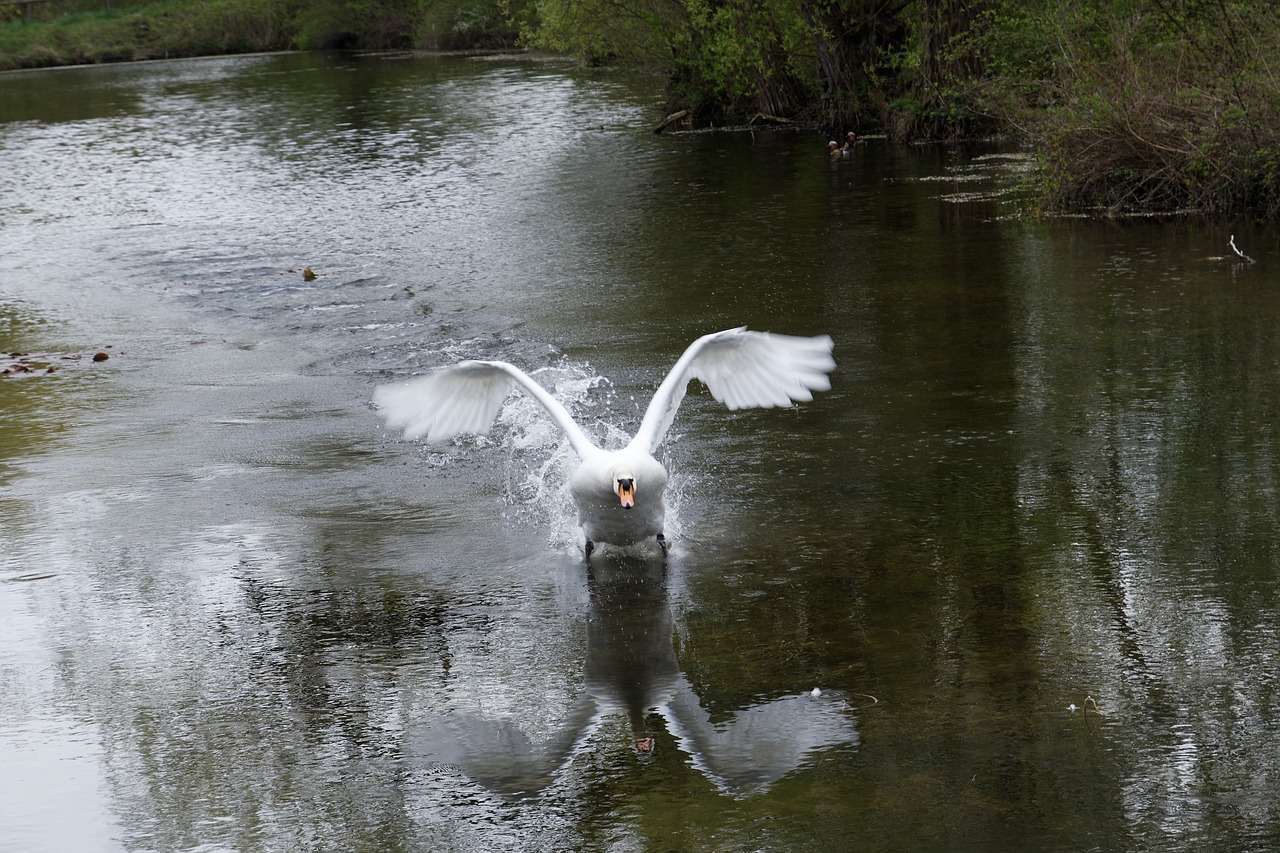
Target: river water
1025	548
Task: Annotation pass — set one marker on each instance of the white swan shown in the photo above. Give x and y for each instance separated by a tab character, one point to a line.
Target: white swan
619	493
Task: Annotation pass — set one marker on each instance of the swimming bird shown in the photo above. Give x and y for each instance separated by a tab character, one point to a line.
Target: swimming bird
619	493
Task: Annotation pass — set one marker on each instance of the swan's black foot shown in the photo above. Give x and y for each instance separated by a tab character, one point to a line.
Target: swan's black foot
662	543
591	546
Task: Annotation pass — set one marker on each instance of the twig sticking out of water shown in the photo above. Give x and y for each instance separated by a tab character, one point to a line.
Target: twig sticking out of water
1240	253
1088	700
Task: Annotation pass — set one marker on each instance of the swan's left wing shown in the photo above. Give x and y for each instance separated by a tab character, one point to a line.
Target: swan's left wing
743	370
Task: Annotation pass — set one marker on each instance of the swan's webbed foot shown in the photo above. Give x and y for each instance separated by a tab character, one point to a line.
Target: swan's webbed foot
662	543
590	546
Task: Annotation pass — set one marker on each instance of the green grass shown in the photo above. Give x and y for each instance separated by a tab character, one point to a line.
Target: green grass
147	31
82	31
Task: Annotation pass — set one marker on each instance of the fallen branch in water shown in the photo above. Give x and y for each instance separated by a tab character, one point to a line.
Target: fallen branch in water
671	119
1238	252
765	118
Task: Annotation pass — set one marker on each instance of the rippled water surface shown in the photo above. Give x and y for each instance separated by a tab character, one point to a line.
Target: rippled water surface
1025	548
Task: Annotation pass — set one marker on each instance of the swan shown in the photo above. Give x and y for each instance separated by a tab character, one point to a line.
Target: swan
619	493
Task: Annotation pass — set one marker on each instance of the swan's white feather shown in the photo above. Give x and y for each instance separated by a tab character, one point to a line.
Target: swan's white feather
465	398
461	399
742	369
750	370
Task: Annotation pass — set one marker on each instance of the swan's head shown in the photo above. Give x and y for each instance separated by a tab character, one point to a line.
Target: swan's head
624	486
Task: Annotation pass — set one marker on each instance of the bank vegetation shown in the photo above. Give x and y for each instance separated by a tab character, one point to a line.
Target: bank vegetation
1130	105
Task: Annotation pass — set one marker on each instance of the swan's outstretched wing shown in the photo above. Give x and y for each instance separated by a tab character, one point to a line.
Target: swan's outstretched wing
465	398
758	745
498	753
743	370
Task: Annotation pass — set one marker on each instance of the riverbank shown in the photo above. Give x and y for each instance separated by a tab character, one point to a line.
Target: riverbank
137	32
1130	108
66	32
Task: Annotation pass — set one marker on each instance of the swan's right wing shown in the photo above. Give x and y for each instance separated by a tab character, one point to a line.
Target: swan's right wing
743	370
465	398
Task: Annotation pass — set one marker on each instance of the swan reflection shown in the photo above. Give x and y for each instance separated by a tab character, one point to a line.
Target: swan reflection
631	671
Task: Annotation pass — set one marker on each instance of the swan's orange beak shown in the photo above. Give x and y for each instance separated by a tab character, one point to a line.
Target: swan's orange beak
627	493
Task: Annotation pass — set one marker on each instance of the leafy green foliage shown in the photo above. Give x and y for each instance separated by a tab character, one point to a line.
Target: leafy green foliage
633	31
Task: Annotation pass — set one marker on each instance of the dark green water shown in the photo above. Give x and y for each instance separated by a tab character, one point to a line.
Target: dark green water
1025	547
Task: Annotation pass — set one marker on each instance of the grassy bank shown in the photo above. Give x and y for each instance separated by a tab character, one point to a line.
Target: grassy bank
72	32
148	31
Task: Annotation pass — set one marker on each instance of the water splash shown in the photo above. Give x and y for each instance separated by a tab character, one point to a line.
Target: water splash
540	460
